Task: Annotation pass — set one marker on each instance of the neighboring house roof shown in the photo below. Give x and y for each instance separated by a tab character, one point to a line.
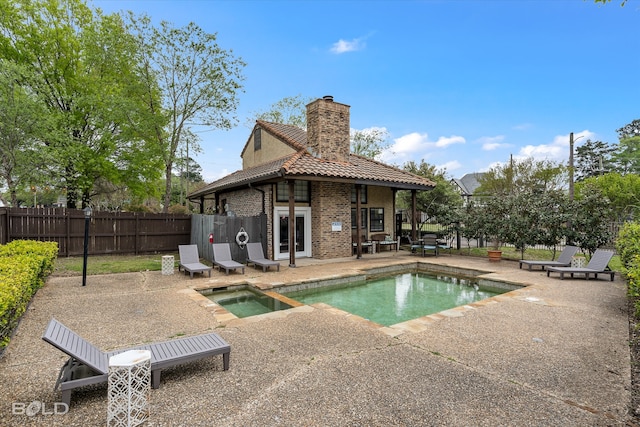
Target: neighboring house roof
469	183
302	165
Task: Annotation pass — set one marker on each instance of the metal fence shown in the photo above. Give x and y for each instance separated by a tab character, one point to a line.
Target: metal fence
109	232
459	242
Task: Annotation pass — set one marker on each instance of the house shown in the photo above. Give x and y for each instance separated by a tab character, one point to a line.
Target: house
467	185
312	176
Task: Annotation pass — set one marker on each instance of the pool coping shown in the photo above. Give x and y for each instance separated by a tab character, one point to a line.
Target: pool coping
226	318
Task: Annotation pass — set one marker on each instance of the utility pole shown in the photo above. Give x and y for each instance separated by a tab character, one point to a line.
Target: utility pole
571	166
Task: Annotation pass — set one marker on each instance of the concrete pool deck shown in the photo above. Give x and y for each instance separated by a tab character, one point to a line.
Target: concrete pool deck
553	353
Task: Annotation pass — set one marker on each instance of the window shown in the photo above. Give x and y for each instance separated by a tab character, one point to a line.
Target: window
257	139
376	219
301	191
363	218
363	194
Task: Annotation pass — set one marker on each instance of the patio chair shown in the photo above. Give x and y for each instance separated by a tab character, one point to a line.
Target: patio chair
564	259
598	264
430	243
90	365
222	258
190	260
256	256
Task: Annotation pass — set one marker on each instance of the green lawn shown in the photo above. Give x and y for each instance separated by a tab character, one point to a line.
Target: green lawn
104	264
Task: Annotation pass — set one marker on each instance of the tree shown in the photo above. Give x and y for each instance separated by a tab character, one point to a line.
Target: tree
198	82
590	219
627	156
289	111
520	176
593	158
622	192
622	2
23	124
369	142
82	67
440	203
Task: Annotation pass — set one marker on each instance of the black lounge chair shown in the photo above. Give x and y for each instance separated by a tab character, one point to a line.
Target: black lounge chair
222	258
564	259
89	365
598	264
255	256
190	260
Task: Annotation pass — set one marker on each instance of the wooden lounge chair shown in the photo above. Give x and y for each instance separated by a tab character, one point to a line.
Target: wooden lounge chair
598	264
89	365
190	260
255	255
222	258
564	259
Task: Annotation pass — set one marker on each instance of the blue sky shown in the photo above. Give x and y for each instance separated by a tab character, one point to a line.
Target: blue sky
462	84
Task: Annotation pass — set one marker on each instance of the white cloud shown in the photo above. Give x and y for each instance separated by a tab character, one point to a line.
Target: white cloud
523	126
490	143
450	166
344	46
443	142
416	146
557	150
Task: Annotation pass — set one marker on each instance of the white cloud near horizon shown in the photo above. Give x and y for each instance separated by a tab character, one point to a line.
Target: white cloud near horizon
557	150
415	146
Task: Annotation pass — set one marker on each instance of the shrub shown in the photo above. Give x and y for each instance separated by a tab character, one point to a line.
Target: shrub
628	247
23	267
628	243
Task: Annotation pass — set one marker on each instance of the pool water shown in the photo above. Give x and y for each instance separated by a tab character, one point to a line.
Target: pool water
395	299
247	302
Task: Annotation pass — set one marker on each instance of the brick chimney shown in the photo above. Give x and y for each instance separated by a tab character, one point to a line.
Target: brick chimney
328	129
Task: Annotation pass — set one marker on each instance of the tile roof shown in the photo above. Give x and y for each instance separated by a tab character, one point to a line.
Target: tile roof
303	165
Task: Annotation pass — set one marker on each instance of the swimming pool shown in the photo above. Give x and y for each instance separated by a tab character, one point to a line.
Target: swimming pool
398	298
245	301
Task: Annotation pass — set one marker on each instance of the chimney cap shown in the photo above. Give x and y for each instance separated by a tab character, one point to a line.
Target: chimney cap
328	98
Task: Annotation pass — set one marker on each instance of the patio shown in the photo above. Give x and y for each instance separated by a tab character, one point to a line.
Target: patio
554	353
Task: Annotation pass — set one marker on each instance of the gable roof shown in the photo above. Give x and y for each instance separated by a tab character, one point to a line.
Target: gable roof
469	183
302	165
293	136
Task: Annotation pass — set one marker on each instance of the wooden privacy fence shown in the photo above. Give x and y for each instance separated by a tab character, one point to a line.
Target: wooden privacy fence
109	232
224	230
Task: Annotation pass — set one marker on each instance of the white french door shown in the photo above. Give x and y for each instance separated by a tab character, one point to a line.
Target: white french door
281	232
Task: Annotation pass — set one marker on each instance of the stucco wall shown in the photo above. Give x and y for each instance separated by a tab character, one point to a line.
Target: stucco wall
271	148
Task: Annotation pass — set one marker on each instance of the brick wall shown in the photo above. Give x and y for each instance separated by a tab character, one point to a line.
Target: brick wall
331	202
328	129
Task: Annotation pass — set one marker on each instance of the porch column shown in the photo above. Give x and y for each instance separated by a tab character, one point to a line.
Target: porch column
414	214
201	204
358	224
292	223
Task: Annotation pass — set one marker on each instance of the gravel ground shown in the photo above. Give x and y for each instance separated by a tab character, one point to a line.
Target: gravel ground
553	353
